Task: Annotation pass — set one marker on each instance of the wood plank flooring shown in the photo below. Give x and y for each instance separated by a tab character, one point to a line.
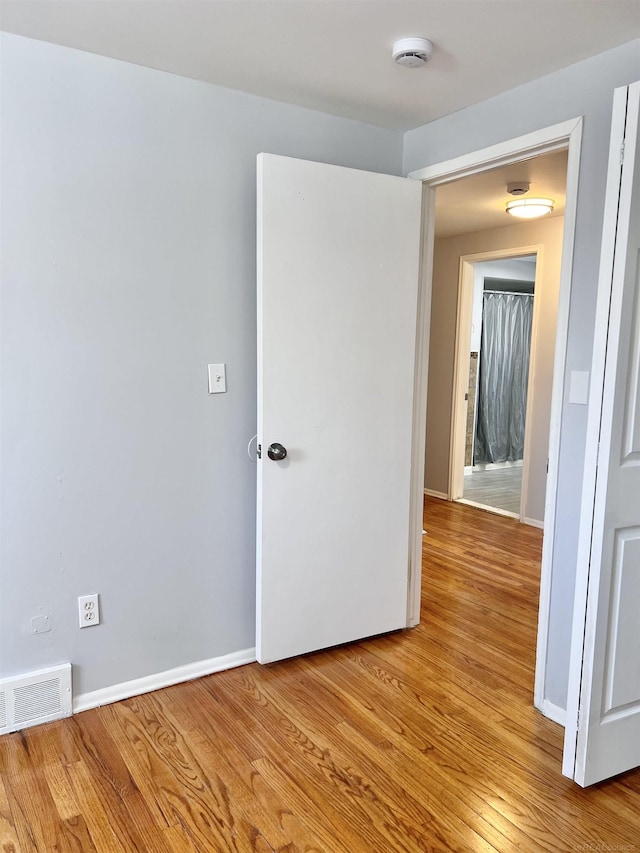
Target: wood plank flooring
423	740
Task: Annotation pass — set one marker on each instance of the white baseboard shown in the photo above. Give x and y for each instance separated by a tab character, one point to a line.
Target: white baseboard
553	712
187	672
533	522
432	494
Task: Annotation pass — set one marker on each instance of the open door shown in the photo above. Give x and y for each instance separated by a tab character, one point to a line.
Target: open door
602	735
338	276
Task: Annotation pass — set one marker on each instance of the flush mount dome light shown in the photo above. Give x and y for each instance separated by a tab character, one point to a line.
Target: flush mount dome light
530	208
412	52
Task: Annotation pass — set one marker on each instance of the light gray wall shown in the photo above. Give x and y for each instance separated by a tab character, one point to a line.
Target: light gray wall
584	89
128	236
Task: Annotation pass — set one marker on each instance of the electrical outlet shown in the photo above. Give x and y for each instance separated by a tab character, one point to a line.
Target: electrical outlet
88	610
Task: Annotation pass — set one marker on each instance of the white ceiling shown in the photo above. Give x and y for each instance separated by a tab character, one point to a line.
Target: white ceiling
334	55
478	202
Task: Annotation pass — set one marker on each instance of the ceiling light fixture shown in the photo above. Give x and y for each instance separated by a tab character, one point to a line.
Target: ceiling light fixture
412	52
530	208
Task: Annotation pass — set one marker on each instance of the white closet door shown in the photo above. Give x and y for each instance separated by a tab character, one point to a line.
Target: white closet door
602	735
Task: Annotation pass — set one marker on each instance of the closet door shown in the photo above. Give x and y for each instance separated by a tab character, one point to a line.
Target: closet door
602	736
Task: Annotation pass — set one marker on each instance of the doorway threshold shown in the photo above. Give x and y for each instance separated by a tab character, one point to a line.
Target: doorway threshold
494	509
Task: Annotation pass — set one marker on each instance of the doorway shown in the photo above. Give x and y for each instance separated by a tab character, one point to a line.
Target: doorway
490	444
499	249
496	399
564	138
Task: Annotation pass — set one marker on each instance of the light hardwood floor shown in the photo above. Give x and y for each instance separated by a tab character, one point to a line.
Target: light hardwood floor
495	487
419	740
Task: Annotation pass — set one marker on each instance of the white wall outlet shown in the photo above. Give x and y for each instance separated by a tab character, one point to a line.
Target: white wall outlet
217	378
88	610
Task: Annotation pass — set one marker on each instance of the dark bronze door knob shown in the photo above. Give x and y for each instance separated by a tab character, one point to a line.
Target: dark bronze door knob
276	452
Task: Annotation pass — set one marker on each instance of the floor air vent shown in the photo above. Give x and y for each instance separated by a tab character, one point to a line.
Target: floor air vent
35	698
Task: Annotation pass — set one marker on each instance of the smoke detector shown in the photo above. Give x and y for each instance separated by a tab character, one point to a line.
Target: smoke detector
518	187
412	52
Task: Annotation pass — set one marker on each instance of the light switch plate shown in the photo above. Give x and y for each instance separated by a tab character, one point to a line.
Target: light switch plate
217	378
579	387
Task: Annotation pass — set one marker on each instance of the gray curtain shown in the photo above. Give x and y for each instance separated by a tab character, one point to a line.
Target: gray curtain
503	377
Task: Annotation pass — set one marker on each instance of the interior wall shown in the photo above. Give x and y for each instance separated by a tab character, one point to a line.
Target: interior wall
446	270
584	89
128	264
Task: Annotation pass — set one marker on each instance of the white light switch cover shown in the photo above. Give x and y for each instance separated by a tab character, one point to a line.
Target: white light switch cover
217	378
579	387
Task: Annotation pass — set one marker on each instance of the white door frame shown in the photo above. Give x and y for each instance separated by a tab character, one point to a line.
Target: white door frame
462	361
567	134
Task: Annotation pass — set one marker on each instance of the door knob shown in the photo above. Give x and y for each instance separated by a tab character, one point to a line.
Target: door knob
276	452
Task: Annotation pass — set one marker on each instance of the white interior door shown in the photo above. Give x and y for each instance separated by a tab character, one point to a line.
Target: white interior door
338	270
603	716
